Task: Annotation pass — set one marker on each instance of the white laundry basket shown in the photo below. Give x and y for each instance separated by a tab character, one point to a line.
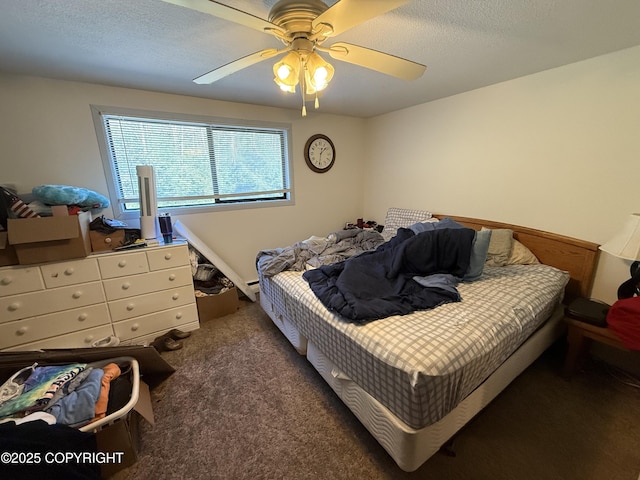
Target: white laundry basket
133	399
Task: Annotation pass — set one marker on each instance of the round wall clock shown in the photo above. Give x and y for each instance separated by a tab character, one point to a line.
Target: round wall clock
319	153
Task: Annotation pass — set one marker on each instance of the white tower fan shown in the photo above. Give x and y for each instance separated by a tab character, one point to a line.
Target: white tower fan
148	201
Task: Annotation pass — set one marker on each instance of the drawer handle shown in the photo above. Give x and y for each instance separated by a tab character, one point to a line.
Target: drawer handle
6	280
69	271
135	327
172	277
122	263
107	240
167	256
175	296
178	315
77	294
21	331
82	317
14	306
126	285
131	306
88	339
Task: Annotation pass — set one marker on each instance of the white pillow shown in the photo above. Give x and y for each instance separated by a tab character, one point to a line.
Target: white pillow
402	218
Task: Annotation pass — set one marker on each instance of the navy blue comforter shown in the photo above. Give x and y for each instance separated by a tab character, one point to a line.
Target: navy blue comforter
379	283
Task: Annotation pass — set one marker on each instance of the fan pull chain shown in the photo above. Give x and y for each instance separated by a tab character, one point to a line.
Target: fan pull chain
317	104
302	90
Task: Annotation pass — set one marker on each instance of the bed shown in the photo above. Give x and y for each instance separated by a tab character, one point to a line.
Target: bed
414	380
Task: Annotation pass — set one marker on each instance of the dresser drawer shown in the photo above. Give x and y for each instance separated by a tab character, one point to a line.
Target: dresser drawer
151	302
82	339
159	322
168	257
47	301
15	280
45	326
132	263
70	273
117	288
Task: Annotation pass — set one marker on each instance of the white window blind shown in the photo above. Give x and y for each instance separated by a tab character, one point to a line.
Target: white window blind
196	164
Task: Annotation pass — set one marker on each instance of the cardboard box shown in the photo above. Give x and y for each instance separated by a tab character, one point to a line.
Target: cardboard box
101	242
214	306
153	367
121	439
50	239
7	252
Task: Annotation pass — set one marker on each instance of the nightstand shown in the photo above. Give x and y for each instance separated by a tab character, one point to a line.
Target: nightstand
586	323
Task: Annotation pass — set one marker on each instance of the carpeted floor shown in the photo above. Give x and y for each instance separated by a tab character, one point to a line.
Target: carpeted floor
244	405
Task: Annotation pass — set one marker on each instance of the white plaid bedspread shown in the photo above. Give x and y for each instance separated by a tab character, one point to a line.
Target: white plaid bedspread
421	365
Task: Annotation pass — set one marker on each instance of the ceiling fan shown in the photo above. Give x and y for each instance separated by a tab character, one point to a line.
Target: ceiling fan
303	26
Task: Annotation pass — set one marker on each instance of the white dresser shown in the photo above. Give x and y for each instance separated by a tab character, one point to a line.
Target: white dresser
134	295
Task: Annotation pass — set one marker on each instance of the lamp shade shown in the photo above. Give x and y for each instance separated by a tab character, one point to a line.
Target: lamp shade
287	72
319	73
626	243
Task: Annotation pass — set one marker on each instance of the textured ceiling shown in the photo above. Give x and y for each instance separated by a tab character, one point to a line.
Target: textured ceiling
153	45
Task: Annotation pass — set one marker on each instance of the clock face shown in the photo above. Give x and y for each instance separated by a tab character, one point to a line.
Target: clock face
319	153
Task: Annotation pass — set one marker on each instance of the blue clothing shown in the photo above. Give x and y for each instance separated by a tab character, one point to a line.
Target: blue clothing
34	394
443	281
428	226
78	407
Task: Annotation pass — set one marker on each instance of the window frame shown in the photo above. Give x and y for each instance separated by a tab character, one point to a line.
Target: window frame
97	112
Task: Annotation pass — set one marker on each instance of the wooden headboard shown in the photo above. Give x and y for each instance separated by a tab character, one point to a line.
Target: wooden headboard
577	257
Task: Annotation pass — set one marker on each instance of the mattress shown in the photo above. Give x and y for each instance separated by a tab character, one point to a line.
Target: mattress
422	365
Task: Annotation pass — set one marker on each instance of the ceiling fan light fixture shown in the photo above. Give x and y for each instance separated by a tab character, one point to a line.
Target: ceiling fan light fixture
303	26
285	88
287	72
283	72
319	72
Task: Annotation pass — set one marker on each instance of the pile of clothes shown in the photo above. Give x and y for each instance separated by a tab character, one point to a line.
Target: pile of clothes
318	251
74	394
207	279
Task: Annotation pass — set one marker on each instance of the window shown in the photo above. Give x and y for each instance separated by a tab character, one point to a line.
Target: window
200	164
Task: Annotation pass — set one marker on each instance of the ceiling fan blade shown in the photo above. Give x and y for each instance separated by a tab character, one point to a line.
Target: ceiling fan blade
226	12
232	67
381	62
347	14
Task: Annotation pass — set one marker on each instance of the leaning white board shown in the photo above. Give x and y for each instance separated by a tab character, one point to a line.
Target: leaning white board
210	255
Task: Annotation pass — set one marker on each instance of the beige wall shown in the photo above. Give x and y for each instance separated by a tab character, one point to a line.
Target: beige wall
47	136
558	151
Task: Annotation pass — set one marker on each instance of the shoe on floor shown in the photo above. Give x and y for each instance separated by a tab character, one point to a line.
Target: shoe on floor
178	334
165	343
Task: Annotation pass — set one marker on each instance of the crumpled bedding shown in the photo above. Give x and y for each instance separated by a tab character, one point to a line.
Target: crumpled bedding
380	283
318	251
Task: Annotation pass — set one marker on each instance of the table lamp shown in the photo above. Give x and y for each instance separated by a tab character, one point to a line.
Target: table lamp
626	244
